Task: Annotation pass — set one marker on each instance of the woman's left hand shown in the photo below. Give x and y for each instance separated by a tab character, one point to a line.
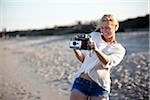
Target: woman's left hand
92	45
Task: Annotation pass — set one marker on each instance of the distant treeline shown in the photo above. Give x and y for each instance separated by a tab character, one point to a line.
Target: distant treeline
136	24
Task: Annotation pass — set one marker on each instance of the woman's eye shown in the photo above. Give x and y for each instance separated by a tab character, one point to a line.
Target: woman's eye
101	28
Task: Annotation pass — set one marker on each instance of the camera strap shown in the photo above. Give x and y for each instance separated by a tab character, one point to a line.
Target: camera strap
91	53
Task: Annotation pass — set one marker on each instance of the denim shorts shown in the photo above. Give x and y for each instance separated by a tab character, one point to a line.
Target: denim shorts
89	88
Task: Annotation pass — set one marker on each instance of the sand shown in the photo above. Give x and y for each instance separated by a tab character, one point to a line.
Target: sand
41	68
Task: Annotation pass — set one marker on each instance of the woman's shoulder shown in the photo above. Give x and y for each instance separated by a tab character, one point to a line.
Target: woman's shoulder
95	34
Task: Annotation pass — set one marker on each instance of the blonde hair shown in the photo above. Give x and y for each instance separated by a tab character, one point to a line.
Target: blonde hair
108	18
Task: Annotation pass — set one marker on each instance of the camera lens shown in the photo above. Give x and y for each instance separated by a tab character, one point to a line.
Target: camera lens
74	43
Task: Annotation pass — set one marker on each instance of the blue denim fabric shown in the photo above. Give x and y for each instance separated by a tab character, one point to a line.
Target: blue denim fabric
89	88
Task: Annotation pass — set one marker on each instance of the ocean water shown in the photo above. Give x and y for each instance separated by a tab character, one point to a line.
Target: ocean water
134	42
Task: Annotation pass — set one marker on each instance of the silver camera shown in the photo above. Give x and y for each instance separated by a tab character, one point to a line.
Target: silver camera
80	42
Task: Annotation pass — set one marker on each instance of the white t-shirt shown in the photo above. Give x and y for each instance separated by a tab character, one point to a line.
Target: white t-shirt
99	72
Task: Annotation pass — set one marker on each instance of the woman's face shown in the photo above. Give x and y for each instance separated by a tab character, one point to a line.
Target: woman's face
108	29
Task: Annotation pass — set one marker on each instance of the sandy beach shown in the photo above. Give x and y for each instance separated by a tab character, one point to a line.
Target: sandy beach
41	68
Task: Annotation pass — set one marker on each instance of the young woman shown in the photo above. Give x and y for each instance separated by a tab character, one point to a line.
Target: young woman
92	81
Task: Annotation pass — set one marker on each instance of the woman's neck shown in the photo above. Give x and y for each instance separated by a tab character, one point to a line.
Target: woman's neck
110	40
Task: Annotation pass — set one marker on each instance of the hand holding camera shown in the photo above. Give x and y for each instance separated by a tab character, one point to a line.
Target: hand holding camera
81	42
92	44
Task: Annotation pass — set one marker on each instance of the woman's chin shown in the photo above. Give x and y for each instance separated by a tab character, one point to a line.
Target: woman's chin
108	36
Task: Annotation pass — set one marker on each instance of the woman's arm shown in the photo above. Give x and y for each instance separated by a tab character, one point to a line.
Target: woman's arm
79	55
102	56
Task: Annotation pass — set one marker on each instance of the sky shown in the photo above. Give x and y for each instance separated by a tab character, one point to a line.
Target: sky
40	14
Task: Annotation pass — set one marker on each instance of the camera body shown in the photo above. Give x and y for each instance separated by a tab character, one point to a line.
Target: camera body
80	42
